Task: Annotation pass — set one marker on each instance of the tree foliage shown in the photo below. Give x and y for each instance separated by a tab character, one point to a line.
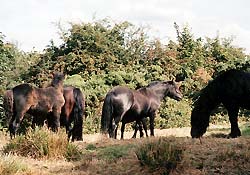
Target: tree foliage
100	55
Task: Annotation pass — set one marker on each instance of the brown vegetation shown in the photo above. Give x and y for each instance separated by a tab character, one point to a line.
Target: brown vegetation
100	155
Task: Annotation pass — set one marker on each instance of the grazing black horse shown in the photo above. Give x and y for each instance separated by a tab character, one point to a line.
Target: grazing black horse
25	98
127	105
232	89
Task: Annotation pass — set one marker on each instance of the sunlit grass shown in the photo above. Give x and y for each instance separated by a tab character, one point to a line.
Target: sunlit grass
42	143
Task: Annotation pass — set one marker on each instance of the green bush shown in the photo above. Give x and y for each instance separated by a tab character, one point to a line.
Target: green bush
160	154
173	114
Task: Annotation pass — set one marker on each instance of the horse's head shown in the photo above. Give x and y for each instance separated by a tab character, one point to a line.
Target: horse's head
172	90
199	121
57	79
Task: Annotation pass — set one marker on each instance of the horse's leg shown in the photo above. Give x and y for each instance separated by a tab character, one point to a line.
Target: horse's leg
56	119
116	128
233	118
144	123
115	123
11	127
140	128
17	119
122	129
136	129
69	130
151	121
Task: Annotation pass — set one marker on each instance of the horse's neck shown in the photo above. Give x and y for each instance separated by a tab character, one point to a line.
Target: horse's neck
51	89
158	92
58	86
149	92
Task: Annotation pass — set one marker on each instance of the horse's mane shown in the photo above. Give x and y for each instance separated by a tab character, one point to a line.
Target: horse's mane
207	95
153	83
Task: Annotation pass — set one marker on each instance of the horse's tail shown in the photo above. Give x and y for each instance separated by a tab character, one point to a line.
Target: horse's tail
8	105
107	111
79	108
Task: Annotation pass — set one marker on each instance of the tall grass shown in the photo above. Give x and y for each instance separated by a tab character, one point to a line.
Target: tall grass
42	143
10	165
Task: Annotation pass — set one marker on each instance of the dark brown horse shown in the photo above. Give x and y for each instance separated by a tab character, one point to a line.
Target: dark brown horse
232	89
71	114
25	98
127	105
72	111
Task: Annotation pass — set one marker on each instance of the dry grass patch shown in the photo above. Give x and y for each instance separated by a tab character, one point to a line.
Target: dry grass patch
10	165
120	157
42	144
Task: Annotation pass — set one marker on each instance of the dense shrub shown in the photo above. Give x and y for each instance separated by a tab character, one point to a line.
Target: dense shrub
160	155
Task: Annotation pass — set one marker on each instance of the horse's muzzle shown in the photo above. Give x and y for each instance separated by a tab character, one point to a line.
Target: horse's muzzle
178	97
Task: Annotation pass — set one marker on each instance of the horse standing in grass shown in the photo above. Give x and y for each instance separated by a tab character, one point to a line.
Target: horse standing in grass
232	89
72	112
25	98
127	105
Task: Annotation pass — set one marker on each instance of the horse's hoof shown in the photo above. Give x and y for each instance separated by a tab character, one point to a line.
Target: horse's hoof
233	136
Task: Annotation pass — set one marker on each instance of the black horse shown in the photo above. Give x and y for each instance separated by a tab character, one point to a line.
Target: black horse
127	105
25	98
232	89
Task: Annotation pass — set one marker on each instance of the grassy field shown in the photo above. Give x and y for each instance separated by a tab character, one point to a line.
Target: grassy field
164	154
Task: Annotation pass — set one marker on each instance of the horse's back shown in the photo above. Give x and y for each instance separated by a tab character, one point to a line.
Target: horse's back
232	86
51	95
234	83
121	96
22	89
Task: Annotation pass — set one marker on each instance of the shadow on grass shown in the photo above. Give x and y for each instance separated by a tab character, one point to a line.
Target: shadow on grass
219	135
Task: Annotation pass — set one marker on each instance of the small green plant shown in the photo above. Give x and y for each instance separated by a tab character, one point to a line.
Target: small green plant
90	147
114	152
246	131
73	153
160	155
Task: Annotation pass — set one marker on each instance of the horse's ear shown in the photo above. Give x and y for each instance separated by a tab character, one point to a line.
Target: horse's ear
178	84
172	79
51	75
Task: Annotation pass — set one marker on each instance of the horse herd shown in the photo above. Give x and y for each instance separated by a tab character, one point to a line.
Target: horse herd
60	106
